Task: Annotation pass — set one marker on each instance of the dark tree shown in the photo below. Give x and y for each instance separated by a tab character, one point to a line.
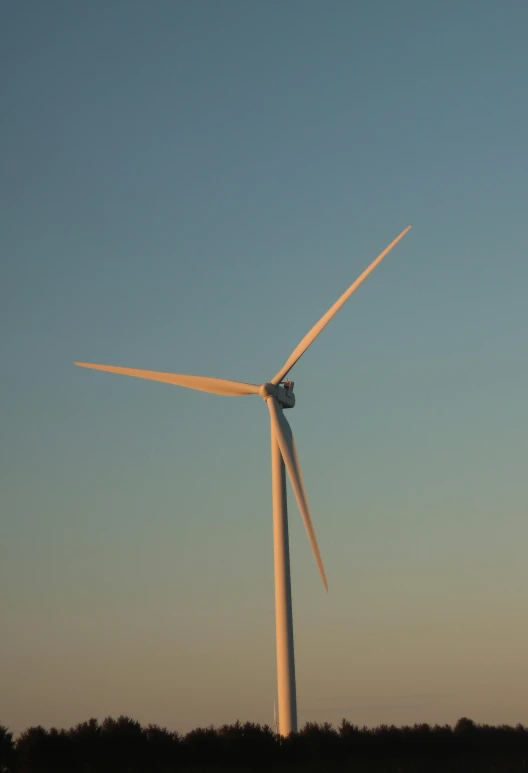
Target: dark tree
86	738
40	751
123	746
7	750
164	749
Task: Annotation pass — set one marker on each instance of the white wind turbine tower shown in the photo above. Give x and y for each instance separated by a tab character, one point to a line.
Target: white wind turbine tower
278	394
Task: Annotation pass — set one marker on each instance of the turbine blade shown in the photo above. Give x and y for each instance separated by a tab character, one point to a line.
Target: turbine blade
286	443
218	386
310	337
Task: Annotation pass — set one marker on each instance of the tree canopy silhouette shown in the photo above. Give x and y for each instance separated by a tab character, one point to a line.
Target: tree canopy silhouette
122	745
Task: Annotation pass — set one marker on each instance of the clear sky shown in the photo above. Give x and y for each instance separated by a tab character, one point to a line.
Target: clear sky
188	186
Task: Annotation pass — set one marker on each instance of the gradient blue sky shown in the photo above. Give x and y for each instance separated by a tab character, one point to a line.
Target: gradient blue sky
188	186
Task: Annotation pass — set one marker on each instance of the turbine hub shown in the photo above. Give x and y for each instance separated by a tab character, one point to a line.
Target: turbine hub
283	393
268	390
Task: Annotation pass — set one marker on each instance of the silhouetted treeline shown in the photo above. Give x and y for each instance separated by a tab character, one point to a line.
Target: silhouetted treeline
124	746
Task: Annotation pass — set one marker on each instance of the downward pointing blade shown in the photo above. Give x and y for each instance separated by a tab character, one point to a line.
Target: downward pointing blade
310	337
218	386
286	443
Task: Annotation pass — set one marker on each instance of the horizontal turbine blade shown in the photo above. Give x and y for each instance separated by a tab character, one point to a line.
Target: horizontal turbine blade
286	443
218	386
310	337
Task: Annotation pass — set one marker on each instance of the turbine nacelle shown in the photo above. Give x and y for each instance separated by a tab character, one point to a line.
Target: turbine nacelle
283	393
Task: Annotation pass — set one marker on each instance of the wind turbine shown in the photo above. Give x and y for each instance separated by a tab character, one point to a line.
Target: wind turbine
278	394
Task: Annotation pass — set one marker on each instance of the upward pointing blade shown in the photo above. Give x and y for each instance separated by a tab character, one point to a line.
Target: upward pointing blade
310	337
217	386
286	443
